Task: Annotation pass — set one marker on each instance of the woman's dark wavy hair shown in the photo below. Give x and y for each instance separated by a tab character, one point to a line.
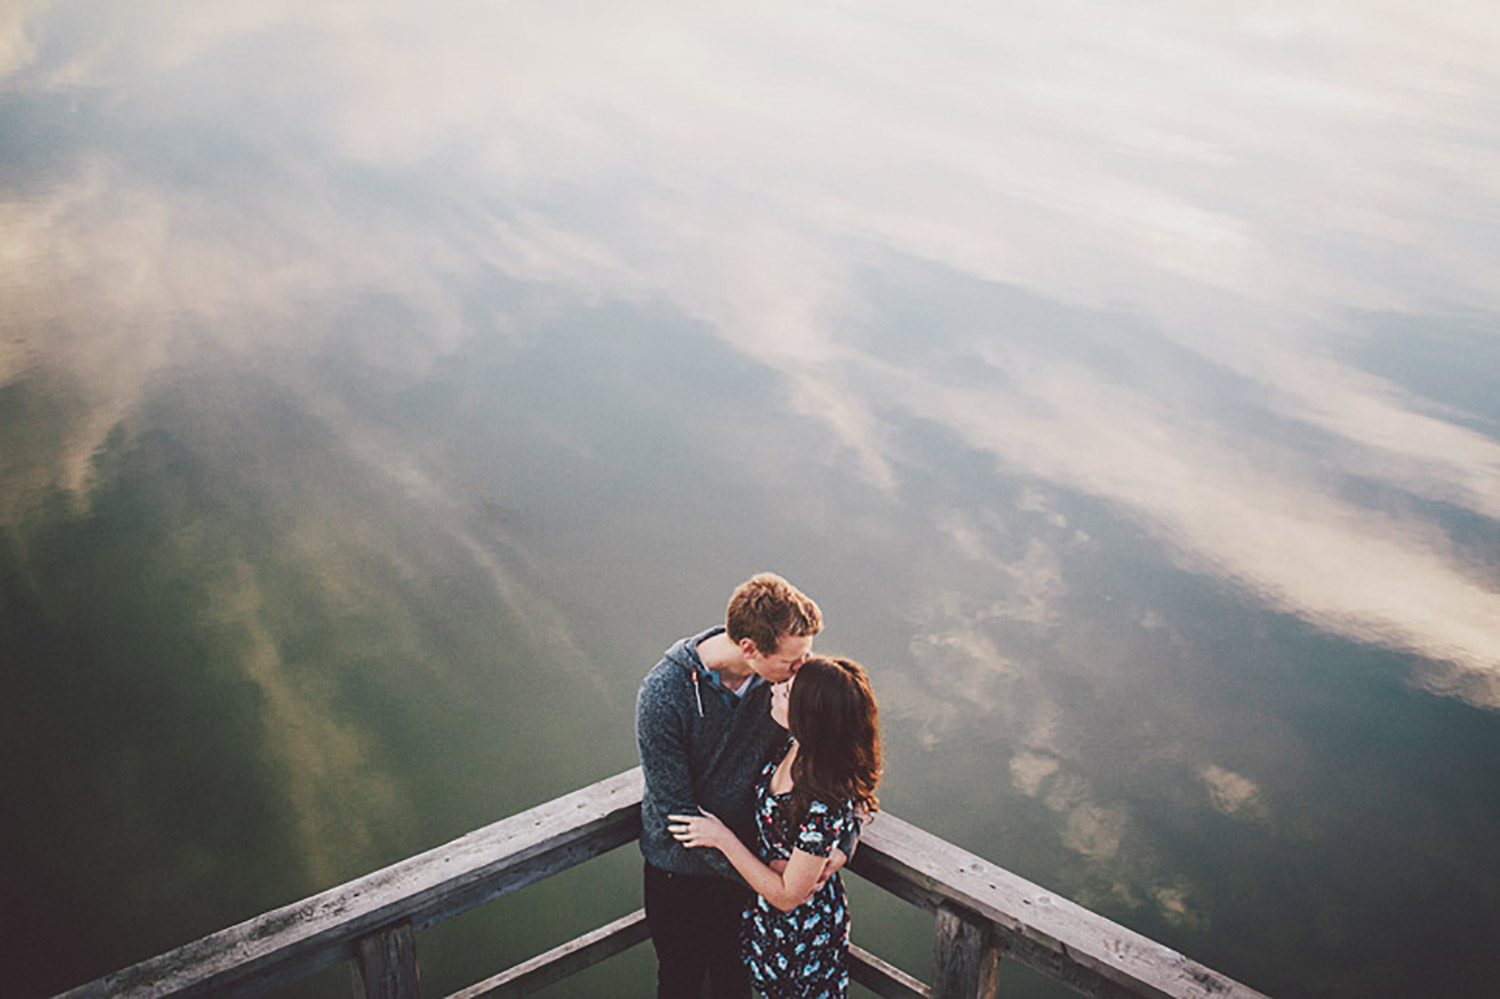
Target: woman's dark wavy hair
833	716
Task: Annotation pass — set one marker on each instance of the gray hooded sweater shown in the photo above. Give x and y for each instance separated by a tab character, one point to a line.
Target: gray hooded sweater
699	751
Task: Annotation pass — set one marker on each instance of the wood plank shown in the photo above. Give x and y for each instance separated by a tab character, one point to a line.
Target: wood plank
387	964
273	949
565	960
1062	940
884	979
1037	927
965	960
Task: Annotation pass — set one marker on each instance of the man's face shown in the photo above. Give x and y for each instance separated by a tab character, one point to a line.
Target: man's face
790	653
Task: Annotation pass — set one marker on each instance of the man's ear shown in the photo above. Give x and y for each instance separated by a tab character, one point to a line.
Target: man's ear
747	647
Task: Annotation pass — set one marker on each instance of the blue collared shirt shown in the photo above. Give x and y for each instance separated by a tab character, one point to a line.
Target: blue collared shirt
714	682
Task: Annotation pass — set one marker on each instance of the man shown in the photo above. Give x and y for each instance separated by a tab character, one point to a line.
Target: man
704	729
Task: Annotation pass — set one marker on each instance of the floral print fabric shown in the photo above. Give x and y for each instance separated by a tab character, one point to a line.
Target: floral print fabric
802	954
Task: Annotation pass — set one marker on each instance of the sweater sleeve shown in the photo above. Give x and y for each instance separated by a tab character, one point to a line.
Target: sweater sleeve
849	838
663	733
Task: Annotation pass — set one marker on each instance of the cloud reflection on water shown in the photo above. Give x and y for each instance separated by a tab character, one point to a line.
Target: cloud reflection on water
1121	257
1244	186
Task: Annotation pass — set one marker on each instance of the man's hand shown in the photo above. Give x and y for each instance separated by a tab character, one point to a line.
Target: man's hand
836	860
831	866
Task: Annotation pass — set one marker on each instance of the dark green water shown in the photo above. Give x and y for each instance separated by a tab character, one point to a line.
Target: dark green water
382	391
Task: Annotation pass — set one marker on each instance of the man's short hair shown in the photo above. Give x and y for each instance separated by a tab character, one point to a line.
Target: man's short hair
765	607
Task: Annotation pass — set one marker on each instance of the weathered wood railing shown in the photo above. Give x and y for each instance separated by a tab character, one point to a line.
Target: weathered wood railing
982	913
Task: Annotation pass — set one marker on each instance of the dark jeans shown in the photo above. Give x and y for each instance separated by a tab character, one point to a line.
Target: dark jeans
695	927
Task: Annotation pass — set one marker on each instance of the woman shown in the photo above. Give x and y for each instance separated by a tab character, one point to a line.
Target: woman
796	934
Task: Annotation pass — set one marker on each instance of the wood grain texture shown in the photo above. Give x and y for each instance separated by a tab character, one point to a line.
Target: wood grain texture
965	959
564	960
267	952
387	963
1039	928
983	911
883	979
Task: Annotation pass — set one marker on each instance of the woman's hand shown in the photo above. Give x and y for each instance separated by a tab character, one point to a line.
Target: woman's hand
786	886
700	830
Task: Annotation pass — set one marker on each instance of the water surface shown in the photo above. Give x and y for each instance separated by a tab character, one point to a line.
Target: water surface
383	387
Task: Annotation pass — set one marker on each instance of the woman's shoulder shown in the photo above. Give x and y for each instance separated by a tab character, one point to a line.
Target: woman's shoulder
823	825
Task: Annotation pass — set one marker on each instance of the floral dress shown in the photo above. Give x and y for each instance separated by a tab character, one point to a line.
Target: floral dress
801	954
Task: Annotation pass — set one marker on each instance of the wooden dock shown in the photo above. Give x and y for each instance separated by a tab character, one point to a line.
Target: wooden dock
983	914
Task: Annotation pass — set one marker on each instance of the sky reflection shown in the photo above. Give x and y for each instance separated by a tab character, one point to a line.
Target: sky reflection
1227	278
1247	187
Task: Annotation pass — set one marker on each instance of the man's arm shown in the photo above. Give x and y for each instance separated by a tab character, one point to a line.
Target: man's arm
847	843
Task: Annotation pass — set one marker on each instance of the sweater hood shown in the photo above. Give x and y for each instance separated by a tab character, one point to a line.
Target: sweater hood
684	651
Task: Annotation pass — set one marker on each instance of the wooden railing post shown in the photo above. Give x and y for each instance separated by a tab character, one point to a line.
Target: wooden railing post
387	964
965	958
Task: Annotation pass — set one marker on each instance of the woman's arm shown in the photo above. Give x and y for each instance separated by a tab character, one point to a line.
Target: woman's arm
785	889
